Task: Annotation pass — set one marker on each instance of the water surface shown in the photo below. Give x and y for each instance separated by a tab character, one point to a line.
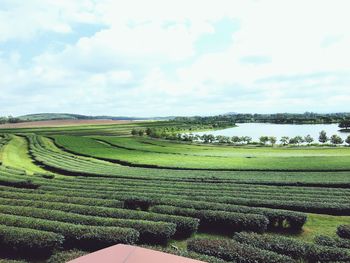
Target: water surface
256	130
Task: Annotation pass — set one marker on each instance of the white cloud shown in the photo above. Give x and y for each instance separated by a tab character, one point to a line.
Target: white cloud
283	53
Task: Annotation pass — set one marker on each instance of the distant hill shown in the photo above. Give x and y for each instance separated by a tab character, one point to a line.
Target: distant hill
69	116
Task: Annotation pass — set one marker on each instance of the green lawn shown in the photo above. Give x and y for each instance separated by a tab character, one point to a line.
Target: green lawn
322	225
15	154
209	157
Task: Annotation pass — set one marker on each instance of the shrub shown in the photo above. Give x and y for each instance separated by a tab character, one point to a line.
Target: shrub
29	242
277	218
185	226
19	183
294	248
78	236
150	232
219	220
188	254
343	231
65	256
48	176
332	242
231	250
282	245
317	253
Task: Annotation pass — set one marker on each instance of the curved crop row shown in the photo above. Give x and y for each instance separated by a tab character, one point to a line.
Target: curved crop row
150	232
75	235
294	248
184	225
28	242
219	220
231	250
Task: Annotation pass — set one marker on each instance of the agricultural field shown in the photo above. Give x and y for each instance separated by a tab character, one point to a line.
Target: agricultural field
67	191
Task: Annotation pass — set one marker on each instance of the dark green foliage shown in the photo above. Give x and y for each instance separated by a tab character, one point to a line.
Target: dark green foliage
231	250
332	241
65	256
185	226
188	254
286	246
344	231
317	253
76	235
48	176
28	242
19	183
219	220
151	232
293	248
277	218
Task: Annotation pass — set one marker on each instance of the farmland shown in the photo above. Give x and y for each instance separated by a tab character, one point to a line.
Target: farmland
86	187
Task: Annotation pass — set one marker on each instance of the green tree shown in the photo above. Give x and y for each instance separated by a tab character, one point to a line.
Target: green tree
344	124
246	139
296	140
284	140
336	139
308	139
141	132
134	132
264	139
273	140
347	140
323	137
236	139
148	131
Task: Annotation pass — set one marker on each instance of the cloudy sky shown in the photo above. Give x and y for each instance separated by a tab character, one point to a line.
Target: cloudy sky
183	57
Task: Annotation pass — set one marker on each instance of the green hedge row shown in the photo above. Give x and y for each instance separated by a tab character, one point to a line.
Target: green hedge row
51	197
65	256
28	242
150	232
184	225
20	183
332	241
219	220
307	206
231	250
293	248
343	231
75	235
277	218
187	254
243	192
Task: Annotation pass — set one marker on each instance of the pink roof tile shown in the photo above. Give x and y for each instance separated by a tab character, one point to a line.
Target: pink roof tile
131	254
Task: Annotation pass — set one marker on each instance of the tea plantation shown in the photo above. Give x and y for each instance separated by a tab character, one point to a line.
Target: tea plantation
68	191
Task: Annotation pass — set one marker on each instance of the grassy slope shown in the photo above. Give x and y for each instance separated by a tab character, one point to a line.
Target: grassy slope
322	225
15	154
262	158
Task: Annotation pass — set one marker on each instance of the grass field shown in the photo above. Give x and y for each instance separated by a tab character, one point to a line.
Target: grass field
168	154
15	154
77	188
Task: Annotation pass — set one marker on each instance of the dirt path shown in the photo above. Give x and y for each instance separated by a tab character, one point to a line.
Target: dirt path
58	123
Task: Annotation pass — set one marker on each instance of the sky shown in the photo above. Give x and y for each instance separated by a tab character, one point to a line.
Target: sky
183	57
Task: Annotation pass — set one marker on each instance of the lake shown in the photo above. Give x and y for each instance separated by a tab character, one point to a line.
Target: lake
255	130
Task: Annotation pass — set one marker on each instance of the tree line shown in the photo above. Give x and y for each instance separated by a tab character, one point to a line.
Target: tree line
9	119
277	118
323	138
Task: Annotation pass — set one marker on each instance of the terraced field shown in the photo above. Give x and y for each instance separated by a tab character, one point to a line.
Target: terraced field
174	155
79	188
